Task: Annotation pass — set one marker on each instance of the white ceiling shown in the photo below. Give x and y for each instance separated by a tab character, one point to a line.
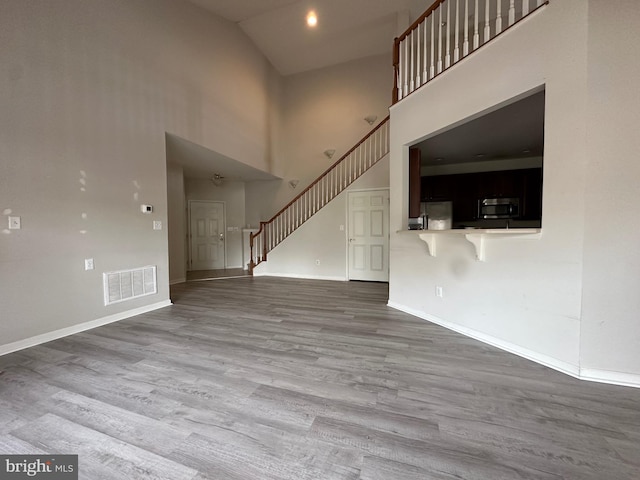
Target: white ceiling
347	29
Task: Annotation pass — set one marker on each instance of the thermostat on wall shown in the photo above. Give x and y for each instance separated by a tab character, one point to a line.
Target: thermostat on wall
146	208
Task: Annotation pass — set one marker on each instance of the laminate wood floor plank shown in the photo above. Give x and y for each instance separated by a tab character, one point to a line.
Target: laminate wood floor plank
285	379
313	406
10	445
436	455
376	468
124	425
100	452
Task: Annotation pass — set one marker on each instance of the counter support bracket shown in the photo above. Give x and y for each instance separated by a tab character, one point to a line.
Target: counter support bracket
478	238
430	240
478	241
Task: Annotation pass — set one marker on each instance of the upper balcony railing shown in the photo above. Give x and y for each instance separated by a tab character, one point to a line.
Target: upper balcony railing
446	33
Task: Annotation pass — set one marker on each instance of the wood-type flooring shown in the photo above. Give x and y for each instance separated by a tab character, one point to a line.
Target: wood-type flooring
280	379
200	275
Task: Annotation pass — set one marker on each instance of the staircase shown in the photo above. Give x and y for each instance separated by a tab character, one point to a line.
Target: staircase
448	32
372	148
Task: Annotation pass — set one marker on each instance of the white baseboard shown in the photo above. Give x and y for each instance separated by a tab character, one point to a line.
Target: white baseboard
614	378
177	280
300	276
593	375
64	332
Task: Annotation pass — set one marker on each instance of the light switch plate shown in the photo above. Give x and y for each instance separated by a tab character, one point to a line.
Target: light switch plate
15	223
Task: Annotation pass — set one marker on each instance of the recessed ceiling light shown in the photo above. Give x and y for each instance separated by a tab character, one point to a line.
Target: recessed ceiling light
439	159
312	19
480	155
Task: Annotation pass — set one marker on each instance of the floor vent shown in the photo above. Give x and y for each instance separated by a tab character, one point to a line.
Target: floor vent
128	284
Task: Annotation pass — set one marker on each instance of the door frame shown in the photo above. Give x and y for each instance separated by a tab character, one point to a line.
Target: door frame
348	226
224	229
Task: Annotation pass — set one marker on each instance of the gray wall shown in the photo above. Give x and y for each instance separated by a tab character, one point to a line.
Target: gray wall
88	90
323	109
176	224
610	340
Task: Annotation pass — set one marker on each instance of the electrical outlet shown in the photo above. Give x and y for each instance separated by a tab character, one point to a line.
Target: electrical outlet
14	223
439	292
88	264
157	225
318	262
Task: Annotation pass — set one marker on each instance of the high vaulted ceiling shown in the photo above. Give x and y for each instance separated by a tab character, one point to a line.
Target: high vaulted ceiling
347	29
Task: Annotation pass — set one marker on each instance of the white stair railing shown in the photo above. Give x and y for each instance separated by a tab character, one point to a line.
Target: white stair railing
446	33
325	188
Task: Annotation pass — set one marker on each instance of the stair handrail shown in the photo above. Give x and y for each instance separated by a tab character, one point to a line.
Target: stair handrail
263	225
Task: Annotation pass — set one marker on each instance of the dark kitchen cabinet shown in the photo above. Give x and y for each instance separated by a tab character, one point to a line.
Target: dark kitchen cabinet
438	189
465	197
532	196
464	191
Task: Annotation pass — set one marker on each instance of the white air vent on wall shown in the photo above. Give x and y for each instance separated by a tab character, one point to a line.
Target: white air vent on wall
128	284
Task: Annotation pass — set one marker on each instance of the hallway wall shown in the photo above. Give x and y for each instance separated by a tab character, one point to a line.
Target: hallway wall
88	91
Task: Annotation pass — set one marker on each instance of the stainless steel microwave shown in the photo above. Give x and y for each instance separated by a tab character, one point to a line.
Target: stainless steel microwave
489	208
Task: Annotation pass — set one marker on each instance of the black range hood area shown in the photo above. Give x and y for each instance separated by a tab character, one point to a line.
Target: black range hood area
467	191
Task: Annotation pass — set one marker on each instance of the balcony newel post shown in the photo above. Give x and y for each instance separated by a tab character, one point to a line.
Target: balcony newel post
252	263
396	70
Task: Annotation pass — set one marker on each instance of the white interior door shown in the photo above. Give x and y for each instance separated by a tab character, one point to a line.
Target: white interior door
369	235
206	234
